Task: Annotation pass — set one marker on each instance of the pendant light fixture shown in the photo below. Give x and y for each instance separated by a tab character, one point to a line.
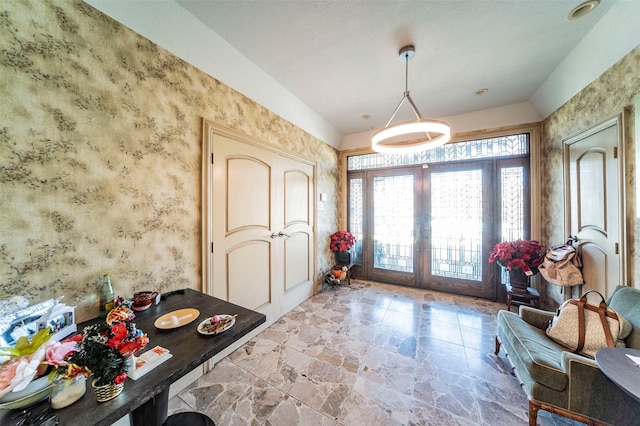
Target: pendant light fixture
410	136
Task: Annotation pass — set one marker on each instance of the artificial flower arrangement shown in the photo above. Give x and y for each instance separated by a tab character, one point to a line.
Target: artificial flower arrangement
342	241
102	350
526	255
24	362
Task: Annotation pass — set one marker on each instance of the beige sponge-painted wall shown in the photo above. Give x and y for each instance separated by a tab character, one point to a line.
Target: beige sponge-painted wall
100	156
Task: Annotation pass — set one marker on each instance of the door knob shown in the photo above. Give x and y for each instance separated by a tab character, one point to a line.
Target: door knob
282	234
274	235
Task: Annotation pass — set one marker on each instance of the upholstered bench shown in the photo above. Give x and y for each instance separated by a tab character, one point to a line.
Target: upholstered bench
562	382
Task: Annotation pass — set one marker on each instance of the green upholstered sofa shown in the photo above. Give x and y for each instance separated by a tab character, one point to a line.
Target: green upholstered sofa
563	382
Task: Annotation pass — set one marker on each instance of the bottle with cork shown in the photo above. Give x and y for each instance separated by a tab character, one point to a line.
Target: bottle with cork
106	296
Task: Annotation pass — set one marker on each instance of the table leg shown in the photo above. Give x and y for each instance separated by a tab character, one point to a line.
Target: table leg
151	413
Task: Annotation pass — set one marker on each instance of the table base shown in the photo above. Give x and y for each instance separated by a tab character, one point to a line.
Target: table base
151	413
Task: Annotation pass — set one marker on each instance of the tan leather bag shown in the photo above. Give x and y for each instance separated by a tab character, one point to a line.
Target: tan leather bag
585	328
562	266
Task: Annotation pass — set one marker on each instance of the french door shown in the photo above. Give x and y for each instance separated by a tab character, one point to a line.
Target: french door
393	211
458	227
433	227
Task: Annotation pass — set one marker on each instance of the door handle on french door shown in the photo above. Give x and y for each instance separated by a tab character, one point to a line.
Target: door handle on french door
274	235
282	234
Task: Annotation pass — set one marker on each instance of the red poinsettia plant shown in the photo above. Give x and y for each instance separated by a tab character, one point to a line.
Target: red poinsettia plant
342	241
526	255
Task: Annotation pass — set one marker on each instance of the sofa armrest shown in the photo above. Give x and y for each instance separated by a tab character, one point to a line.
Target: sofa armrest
536	317
568	357
592	394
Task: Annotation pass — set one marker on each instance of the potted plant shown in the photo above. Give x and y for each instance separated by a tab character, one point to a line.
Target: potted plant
104	349
521	258
341	244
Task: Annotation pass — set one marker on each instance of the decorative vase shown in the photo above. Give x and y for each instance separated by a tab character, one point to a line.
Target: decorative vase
343	257
519	281
107	392
67	391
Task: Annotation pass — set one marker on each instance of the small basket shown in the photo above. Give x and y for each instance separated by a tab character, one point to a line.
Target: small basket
107	392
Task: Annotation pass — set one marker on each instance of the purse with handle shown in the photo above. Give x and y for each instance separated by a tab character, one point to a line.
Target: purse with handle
585	328
562	266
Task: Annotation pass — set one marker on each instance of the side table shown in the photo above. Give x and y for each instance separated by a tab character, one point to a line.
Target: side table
530	298
620	369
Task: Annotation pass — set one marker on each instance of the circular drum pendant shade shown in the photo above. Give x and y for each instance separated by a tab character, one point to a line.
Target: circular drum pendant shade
411	136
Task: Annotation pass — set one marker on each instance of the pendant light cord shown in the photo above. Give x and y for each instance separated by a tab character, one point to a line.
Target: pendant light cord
406	96
406	73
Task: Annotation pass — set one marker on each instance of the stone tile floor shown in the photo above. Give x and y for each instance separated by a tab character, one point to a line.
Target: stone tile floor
368	354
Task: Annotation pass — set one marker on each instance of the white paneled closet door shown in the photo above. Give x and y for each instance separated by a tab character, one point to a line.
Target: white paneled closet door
594	185
261	220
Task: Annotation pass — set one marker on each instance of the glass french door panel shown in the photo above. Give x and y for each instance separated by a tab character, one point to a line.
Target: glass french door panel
393	233
512	208
456	224
356	215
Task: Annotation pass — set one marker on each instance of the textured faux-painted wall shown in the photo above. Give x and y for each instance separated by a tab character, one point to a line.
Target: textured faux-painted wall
100	146
614	90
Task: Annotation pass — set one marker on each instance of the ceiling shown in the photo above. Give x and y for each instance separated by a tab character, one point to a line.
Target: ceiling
341	57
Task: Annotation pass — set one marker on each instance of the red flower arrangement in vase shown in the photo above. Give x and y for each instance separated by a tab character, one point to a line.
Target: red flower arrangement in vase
342	241
525	255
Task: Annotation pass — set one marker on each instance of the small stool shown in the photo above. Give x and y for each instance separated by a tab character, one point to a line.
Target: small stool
188	418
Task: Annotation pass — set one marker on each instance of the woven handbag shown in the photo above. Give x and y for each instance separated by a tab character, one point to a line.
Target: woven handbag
585	328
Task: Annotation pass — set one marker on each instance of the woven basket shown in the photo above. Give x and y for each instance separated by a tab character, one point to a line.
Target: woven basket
107	392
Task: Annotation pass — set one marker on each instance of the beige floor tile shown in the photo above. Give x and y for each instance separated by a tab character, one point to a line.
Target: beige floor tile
369	354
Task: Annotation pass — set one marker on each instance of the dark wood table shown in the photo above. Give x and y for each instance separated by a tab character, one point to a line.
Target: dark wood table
620	369
147	398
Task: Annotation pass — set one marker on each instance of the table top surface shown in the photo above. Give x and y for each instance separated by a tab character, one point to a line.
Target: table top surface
188	347
617	366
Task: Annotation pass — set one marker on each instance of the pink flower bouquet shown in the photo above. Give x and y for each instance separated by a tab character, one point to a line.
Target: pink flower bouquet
30	359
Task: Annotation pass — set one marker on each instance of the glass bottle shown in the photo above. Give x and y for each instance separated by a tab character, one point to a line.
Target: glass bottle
106	296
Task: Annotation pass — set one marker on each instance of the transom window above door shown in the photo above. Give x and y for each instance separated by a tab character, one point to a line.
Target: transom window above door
502	146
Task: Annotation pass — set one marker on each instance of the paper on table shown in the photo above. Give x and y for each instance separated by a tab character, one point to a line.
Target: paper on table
635	359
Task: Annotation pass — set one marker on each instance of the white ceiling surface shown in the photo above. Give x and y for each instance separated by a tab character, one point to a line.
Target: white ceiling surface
324	64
